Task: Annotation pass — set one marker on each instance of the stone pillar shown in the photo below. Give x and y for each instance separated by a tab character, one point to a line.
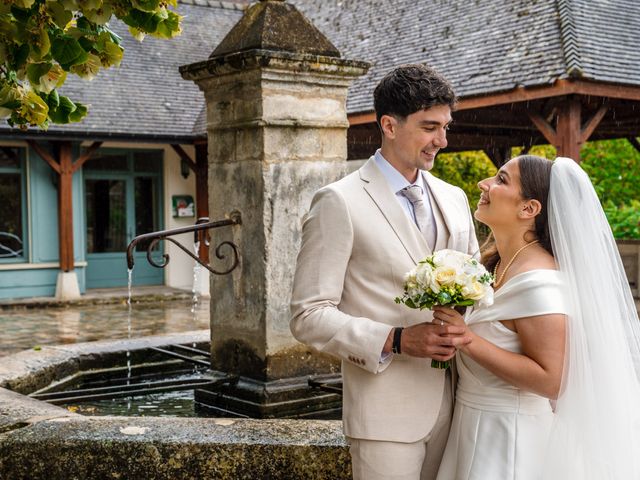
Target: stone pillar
276	113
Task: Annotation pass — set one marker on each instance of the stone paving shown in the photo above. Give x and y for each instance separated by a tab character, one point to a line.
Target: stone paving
100	315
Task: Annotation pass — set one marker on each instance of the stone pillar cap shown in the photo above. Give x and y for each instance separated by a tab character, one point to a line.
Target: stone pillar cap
277	26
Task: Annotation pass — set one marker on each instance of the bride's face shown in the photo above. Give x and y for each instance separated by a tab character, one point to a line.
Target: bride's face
500	201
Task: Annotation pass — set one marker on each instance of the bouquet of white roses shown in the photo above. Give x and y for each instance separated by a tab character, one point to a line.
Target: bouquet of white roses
448	278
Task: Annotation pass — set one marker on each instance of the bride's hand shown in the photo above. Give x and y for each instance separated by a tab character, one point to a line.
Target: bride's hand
447	316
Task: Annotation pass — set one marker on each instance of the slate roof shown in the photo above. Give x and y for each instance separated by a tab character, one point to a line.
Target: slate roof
482	46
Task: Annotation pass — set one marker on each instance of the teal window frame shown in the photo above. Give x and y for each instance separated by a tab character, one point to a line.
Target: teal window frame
22	171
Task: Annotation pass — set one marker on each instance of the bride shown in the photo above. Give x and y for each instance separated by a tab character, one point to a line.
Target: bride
549	386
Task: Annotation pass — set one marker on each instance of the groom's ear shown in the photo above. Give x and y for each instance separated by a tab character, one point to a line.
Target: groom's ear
531	208
388	125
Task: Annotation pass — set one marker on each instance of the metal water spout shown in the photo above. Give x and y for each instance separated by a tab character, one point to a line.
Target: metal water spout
201	225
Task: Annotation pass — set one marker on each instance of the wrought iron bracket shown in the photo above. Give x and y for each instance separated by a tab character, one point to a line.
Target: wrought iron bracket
201	225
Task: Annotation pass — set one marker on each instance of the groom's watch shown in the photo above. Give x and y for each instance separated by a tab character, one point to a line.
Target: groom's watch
397	336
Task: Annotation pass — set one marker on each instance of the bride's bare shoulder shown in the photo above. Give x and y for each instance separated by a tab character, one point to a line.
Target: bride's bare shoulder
540	260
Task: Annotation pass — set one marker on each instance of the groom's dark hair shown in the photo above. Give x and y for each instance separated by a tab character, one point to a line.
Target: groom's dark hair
410	88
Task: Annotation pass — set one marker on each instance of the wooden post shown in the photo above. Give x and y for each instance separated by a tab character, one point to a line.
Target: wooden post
568	130
202	193
65	207
569	134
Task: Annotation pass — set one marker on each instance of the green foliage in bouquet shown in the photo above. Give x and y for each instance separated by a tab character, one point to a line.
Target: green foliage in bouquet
41	41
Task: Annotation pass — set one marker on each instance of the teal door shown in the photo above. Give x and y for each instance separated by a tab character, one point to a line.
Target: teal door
123	199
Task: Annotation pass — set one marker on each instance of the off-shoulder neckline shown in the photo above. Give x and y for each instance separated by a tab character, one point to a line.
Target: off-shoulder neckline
521	274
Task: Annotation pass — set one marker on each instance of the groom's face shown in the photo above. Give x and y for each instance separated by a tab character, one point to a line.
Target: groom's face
416	140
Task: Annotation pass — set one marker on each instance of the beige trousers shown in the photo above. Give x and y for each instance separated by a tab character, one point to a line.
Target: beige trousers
378	460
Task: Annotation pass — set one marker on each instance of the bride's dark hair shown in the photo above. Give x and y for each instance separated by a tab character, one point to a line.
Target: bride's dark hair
535	179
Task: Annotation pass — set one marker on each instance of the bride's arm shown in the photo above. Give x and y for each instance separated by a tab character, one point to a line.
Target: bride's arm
538	369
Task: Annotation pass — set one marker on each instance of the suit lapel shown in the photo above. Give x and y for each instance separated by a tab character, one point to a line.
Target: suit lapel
444	210
378	189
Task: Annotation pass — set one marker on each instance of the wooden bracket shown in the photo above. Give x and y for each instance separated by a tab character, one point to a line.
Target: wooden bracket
184	156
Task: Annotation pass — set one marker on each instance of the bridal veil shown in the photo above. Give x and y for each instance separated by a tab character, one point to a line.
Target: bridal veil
596	432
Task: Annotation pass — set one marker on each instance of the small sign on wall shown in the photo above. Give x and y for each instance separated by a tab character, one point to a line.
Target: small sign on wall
183	206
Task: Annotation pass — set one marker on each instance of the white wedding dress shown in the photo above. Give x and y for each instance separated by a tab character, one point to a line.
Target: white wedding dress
500	432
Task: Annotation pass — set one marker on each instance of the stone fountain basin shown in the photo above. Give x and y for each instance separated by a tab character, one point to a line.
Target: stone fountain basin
39	440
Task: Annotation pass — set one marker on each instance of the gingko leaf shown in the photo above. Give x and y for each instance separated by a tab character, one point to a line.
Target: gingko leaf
67	52
79	113
170	27
89	4
53	100
59	14
34	109
143	21
146	5
99	16
10	96
20	55
20	12
40	44
89	69
37	70
71	5
64	110
111	54
53	79
9	28
137	34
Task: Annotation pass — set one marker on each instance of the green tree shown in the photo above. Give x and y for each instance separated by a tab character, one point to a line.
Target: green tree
41	41
612	165
614	169
465	170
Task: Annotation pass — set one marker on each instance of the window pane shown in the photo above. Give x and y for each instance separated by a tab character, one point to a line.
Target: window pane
11	242
146	208
107	162
147	161
106	216
9	157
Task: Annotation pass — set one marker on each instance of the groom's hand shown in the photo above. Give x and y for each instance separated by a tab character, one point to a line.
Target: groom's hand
438	342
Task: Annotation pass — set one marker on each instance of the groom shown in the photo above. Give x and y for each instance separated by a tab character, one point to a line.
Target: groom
361	235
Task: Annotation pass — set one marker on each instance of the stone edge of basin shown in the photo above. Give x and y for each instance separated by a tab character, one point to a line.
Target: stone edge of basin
38	440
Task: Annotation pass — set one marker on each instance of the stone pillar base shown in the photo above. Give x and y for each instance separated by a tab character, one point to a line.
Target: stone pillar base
67	287
286	398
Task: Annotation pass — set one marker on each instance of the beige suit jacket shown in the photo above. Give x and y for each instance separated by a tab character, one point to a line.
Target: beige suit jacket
357	245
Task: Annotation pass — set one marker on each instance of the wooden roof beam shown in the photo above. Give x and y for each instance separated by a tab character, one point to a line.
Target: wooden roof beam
184	156
86	156
524	94
592	123
42	153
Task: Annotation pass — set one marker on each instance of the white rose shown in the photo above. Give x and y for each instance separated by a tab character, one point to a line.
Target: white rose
473	290
445	275
424	275
450	258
